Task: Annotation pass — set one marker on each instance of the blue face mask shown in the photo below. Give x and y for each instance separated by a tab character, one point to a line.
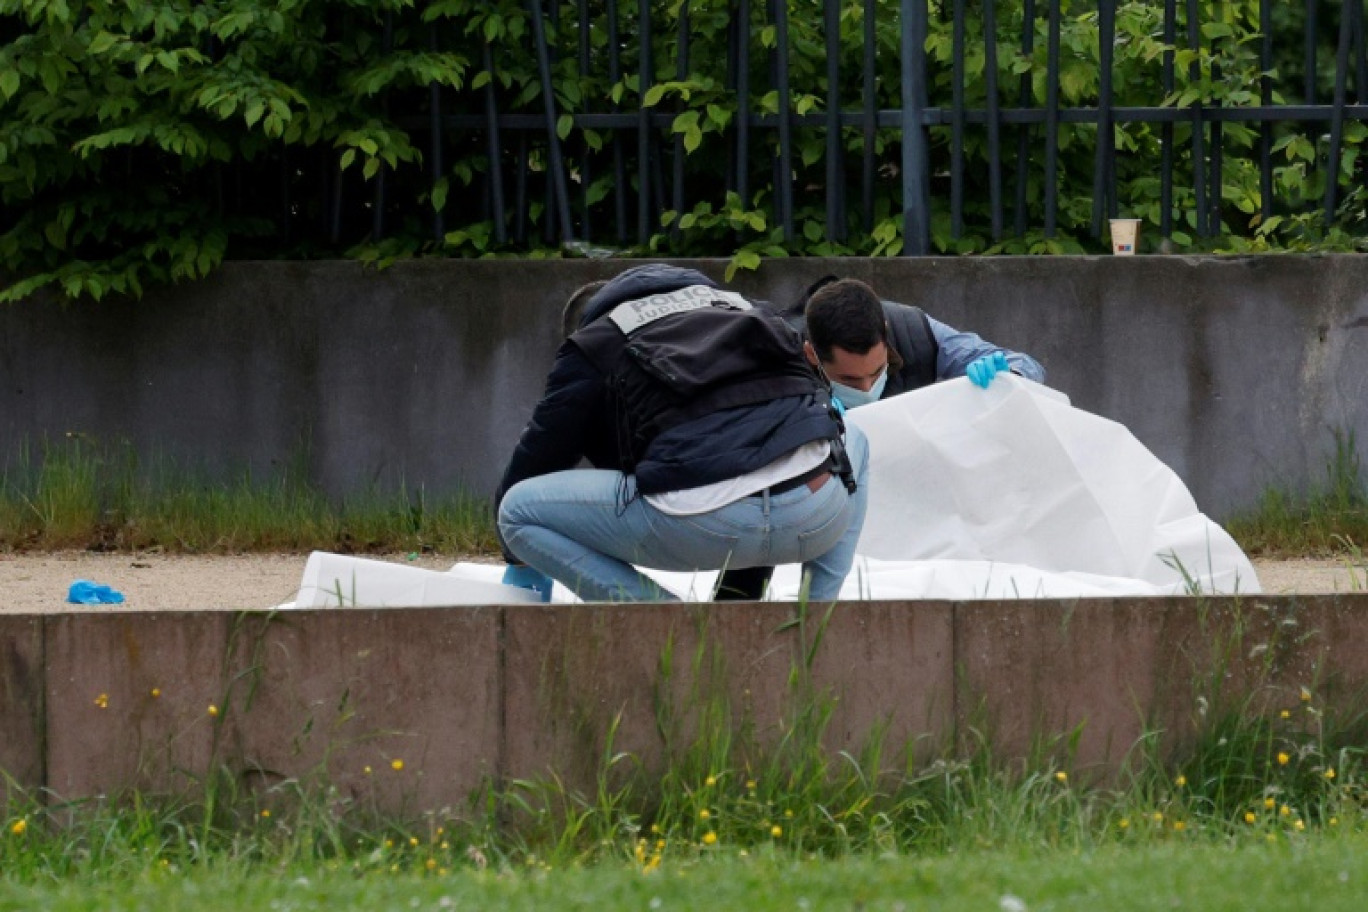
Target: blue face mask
853	398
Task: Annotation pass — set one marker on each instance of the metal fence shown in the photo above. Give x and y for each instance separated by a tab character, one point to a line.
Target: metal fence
530	172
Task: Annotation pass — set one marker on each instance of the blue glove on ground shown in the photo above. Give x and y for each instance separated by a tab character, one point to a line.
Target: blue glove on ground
525	577
84	592
982	371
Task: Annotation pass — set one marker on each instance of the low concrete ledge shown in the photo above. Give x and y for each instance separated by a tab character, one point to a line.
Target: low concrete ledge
22	746
414	709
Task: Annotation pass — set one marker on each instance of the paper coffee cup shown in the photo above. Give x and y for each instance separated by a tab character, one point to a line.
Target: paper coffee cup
1124	235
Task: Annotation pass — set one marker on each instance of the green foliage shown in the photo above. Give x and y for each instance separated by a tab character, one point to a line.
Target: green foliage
147	141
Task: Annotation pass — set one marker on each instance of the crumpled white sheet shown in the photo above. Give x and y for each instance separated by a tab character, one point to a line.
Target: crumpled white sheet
1007	492
1010	491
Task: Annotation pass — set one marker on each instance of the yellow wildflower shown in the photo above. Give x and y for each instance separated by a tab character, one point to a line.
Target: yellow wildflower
413	841
1330	773
266	813
1062	776
1157	816
709	838
213	710
430	864
1123	823
776	831
1285	810
367	770
704	814
19	827
102	701
1179	826
750	784
1283	759
1181	781
710	781
788	814
1249	817
156	692
396	764
1334	821
1285	714
1268	804
1299	826
1305	695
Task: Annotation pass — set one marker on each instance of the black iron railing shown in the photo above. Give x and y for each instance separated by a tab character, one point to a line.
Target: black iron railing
1017	144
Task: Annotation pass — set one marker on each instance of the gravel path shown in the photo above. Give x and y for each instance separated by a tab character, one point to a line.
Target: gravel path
159	582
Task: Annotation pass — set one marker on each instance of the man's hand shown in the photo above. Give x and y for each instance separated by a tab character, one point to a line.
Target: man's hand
525	577
982	371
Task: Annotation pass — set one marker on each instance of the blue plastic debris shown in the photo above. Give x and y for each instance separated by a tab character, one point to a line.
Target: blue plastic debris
84	592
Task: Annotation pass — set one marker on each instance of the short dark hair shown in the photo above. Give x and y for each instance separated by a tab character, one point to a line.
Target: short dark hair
573	311
845	314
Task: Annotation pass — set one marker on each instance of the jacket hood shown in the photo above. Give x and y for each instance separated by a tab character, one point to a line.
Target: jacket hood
638	282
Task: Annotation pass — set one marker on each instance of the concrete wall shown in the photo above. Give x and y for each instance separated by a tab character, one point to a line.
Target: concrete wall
1232	370
96	703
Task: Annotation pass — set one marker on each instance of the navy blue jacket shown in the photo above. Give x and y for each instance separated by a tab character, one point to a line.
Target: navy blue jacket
574	418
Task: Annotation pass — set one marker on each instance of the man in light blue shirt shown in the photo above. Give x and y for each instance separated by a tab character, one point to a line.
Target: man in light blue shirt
871	349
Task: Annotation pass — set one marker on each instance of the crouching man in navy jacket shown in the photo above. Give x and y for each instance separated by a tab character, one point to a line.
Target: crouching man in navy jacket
715	445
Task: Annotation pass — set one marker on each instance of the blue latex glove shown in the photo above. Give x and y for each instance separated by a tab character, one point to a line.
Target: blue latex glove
525	577
84	592
982	371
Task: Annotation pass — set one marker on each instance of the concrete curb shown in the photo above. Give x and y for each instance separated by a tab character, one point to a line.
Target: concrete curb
96	704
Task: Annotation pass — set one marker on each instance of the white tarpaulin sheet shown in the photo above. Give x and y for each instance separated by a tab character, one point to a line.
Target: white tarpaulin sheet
1008	492
342	581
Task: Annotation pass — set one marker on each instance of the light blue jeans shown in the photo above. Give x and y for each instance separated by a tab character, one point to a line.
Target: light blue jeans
586	528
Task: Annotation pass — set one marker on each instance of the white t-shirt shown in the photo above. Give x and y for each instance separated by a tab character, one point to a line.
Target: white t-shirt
705	498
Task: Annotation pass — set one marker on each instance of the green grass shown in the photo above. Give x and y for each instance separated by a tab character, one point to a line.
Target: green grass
1321	873
120	866
77	494
1329	521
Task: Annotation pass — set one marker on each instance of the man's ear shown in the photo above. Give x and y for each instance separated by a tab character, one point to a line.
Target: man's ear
811	353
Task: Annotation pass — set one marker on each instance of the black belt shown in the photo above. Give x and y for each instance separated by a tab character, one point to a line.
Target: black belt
782	487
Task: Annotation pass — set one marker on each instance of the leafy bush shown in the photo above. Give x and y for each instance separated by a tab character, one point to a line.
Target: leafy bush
146	141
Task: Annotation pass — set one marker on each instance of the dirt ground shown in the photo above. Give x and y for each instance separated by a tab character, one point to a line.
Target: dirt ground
159	582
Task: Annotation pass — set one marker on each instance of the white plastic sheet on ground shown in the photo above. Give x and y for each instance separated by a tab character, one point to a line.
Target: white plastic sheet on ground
1008	492
342	581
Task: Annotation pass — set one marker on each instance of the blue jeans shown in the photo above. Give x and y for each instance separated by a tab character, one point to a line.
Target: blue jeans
586	528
